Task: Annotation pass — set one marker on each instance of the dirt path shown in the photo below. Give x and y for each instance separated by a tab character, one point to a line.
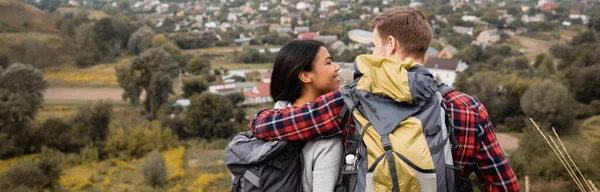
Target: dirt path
507	142
83	94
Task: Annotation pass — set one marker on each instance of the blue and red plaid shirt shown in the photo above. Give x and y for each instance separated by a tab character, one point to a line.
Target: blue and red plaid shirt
479	150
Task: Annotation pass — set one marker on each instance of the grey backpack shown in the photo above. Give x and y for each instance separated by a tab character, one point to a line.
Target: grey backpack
260	165
404	136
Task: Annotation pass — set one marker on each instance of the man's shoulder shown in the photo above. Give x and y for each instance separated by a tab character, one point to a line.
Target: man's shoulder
461	100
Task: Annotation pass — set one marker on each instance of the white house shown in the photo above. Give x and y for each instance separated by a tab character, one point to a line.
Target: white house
260	93
488	36
327	4
444	70
302	5
210	25
463	30
470	18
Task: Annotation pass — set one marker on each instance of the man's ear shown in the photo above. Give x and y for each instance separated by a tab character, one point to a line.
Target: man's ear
392	44
305	77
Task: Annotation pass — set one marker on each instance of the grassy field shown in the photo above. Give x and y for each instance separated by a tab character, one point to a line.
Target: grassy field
222	57
20	16
14	45
101	75
94	14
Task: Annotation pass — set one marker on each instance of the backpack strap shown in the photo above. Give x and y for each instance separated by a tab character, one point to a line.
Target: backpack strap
342	114
235	185
443	88
387	146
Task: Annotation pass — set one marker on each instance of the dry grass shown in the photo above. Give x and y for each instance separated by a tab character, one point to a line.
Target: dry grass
15	14
13	44
531	46
101	75
94	14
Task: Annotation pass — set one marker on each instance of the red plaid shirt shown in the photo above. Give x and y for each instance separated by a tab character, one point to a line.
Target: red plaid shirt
479	150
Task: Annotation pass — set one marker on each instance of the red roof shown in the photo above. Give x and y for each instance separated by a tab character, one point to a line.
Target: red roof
575	12
267	75
308	35
264	90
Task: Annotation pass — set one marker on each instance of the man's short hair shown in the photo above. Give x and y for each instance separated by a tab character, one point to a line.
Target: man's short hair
408	25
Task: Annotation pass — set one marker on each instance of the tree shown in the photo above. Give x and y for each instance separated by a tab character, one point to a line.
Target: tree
91	122
88	51
563	52
151	72
199	65
194	85
470	54
210	116
38	53
140	40
584	83
50	5
124	28
56	133
21	90
154	169
3	59
159	40
588	36
236	98
549	104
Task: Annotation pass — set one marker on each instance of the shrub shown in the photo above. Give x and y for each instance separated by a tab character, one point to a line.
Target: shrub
136	141
154	169
55	133
25	173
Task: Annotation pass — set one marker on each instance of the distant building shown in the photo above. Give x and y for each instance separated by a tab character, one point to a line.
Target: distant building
488	36
463	30
470	18
447	52
301	29
432	52
267	77
260	93
307	35
444	70
327	4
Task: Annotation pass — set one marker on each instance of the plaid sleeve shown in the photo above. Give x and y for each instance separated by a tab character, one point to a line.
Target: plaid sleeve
311	121
495	172
479	150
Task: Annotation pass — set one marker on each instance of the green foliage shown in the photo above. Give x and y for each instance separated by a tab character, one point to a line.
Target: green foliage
460	41
134	142
91	122
192	41
39	54
159	40
21	90
140	40
51	168
56	133
25	173
236	98
85	42
3	60
549	104
210	116
584	83
154	169
590	129
194	85
151	72
198	65
253	56
253	76
588	36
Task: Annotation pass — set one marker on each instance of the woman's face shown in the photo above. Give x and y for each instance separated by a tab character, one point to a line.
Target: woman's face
324	76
